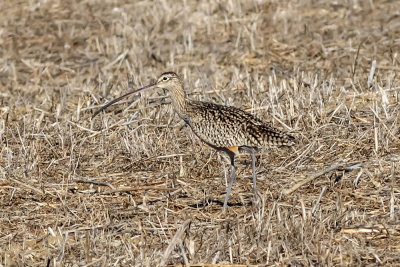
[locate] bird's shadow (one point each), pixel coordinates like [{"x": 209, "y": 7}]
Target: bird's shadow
[{"x": 209, "y": 202}]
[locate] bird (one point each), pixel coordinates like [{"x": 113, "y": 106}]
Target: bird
[{"x": 224, "y": 128}]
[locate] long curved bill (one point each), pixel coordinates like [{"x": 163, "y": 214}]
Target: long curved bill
[{"x": 150, "y": 86}]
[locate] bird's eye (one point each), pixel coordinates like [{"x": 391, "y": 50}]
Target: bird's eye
[{"x": 165, "y": 78}]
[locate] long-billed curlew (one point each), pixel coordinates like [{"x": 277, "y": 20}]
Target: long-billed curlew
[{"x": 224, "y": 128}]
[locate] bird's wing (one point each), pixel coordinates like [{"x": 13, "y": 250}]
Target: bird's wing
[{"x": 225, "y": 126}]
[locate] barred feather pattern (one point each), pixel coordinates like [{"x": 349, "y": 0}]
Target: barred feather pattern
[{"x": 223, "y": 126}]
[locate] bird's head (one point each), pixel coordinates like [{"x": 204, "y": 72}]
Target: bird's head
[{"x": 168, "y": 80}]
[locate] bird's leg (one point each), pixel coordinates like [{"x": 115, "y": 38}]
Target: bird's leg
[
  {"x": 250, "y": 150},
  {"x": 231, "y": 179}
]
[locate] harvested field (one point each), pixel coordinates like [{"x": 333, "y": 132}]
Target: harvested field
[{"x": 135, "y": 187}]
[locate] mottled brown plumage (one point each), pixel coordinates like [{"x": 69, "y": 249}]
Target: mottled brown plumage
[{"x": 222, "y": 127}]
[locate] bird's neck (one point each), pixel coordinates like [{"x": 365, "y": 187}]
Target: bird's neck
[{"x": 179, "y": 101}]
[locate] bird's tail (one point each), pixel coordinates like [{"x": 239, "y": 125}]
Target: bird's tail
[{"x": 277, "y": 137}]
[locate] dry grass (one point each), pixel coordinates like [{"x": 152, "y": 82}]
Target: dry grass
[{"x": 302, "y": 65}]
